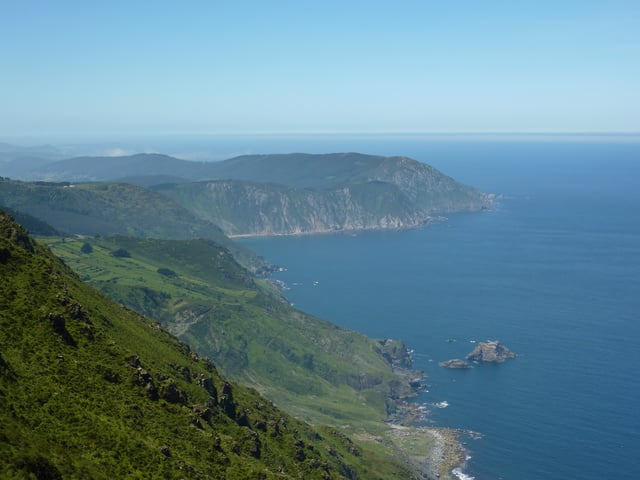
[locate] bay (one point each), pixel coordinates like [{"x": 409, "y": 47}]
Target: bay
[{"x": 553, "y": 272}]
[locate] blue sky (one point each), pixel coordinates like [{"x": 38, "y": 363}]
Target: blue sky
[{"x": 142, "y": 67}]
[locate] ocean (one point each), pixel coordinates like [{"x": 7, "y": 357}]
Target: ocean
[{"x": 553, "y": 272}]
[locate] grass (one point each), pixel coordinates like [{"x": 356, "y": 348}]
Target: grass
[
  {"x": 90, "y": 389},
  {"x": 310, "y": 368},
  {"x": 303, "y": 363}
]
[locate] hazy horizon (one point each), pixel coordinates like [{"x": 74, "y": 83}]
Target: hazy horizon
[{"x": 123, "y": 68}]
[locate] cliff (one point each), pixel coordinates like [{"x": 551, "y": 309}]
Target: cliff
[
  {"x": 300, "y": 193},
  {"x": 248, "y": 208},
  {"x": 284, "y": 194}
]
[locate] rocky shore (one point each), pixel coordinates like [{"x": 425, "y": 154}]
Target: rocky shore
[{"x": 435, "y": 451}]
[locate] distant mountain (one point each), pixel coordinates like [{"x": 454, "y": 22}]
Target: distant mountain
[
  {"x": 422, "y": 184},
  {"x": 17, "y": 161},
  {"x": 89, "y": 389},
  {"x": 300, "y": 193},
  {"x": 291, "y": 193},
  {"x": 105, "y": 169},
  {"x": 111, "y": 208}
]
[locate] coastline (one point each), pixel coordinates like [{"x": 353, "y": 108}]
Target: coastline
[
  {"x": 426, "y": 222},
  {"x": 435, "y": 452}
]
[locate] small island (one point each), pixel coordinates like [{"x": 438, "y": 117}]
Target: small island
[
  {"x": 491, "y": 351},
  {"x": 456, "y": 363}
]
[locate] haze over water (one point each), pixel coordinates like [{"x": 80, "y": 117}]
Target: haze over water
[{"x": 553, "y": 272}]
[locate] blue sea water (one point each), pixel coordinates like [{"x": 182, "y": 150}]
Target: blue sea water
[{"x": 553, "y": 273}]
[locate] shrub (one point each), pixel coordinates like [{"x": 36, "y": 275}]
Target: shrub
[
  {"x": 166, "y": 272},
  {"x": 120, "y": 253}
]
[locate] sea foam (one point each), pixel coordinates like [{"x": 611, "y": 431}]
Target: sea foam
[{"x": 461, "y": 475}]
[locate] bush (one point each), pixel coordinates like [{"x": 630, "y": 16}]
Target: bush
[
  {"x": 120, "y": 253},
  {"x": 86, "y": 248},
  {"x": 166, "y": 272}
]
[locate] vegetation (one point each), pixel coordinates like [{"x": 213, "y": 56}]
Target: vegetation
[
  {"x": 107, "y": 209},
  {"x": 34, "y": 225},
  {"x": 284, "y": 194},
  {"x": 89, "y": 389},
  {"x": 195, "y": 288},
  {"x": 300, "y": 193}
]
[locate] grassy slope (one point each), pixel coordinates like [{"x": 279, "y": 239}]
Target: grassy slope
[
  {"x": 309, "y": 366},
  {"x": 112, "y": 208},
  {"x": 75, "y": 401}
]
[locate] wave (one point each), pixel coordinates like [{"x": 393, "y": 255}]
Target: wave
[{"x": 461, "y": 475}]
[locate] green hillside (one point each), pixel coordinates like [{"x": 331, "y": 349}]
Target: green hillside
[
  {"x": 195, "y": 288},
  {"x": 113, "y": 208},
  {"x": 428, "y": 188},
  {"x": 89, "y": 389}
]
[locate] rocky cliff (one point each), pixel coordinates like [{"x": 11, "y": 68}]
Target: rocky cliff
[
  {"x": 324, "y": 193},
  {"x": 248, "y": 208}
]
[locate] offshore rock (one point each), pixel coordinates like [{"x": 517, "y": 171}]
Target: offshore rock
[
  {"x": 491, "y": 351},
  {"x": 455, "y": 363}
]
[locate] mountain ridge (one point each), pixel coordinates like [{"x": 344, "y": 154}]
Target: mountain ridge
[{"x": 285, "y": 194}]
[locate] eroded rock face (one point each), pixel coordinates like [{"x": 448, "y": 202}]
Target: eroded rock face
[{"x": 491, "y": 351}]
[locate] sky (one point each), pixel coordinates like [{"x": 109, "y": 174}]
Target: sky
[{"x": 197, "y": 67}]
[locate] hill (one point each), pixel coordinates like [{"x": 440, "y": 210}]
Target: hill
[
  {"x": 310, "y": 367},
  {"x": 101, "y": 169},
  {"x": 425, "y": 186},
  {"x": 113, "y": 208},
  {"x": 300, "y": 193},
  {"x": 89, "y": 389},
  {"x": 289, "y": 193}
]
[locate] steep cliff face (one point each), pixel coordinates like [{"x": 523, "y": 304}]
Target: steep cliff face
[
  {"x": 395, "y": 193},
  {"x": 242, "y": 208},
  {"x": 300, "y": 193}
]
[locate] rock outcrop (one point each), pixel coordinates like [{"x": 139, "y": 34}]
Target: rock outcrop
[
  {"x": 455, "y": 363},
  {"x": 491, "y": 351}
]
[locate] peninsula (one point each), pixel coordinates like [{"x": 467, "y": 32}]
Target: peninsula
[{"x": 276, "y": 194}]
